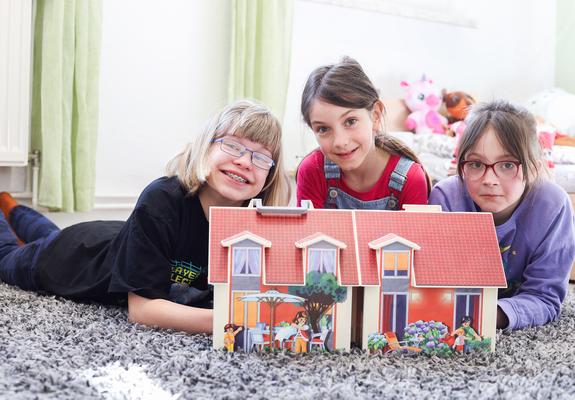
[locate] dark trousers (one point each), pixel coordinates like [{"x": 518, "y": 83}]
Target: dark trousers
[{"x": 18, "y": 263}]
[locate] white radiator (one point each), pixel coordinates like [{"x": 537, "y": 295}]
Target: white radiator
[{"x": 15, "y": 80}]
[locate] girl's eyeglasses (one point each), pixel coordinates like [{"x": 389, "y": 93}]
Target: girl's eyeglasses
[
  {"x": 475, "y": 170},
  {"x": 236, "y": 149}
]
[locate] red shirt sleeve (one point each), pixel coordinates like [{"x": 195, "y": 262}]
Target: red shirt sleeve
[
  {"x": 415, "y": 189},
  {"x": 311, "y": 182}
]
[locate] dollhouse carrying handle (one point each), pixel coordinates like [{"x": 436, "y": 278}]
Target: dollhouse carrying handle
[{"x": 285, "y": 211}]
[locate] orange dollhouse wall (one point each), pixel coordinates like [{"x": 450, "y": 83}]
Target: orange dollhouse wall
[
  {"x": 283, "y": 312},
  {"x": 442, "y": 300}
]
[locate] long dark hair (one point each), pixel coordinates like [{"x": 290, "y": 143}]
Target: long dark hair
[{"x": 345, "y": 84}]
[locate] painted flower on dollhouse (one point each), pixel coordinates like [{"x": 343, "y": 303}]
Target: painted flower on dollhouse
[
  {"x": 376, "y": 342},
  {"x": 427, "y": 335}
]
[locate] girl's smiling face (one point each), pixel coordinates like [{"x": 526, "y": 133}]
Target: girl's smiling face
[
  {"x": 233, "y": 180},
  {"x": 491, "y": 193},
  {"x": 345, "y": 135}
]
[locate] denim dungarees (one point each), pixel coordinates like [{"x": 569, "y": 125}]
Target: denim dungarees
[{"x": 337, "y": 198}]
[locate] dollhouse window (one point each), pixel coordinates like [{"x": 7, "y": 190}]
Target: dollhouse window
[
  {"x": 395, "y": 263},
  {"x": 467, "y": 304},
  {"x": 394, "y": 313},
  {"x": 247, "y": 261},
  {"x": 322, "y": 260}
]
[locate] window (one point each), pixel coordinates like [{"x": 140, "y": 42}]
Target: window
[
  {"x": 395, "y": 263},
  {"x": 322, "y": 260},
  {"x": 393, "y": 313},
  {"x": 467, "y": 304},
  {"x": 247, "y": 261}
]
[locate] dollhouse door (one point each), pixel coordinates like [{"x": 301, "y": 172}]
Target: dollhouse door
[
  {"x": 394, "y": 313},
  {"x": 467, "y": 304}
]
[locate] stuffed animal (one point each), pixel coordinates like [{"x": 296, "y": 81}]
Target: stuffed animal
[
  {"x": 423, "y": 100},
  {"x": 457, "y": 105},
  {"x": 547, "y": 134}
]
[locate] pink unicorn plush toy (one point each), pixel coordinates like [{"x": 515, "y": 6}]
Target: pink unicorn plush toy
[{"x": 423, "y": 100}]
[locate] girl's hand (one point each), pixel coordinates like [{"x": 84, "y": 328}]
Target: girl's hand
[{"x": 502, "y": 320}]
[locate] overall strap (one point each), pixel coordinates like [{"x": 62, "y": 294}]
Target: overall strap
[
  {"x": 331, "y": 171},
  {"x": 399, "y": 175}
]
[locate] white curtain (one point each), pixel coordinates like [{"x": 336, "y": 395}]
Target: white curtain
[
  {"x": 246, "y": 261},
  {"x": 322, "y": 260},
  {"x": 329, "y": 261},
  {"x": 240, "y": 261},
  {"x": 253, "y": 261}
]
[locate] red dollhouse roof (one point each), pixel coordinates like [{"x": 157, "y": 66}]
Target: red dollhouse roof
[
  {"x": 455, "y": 249},
  {"x": 283, "y": 261}
]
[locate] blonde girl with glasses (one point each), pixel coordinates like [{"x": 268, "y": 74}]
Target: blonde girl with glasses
[
  {"x": 155, "y": 262},
  {"x": 501, "y": 170}
]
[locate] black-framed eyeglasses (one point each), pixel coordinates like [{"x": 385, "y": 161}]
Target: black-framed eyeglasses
[
  {"x": 236, "y": 149},
  {"x": 474, "y": 169}
]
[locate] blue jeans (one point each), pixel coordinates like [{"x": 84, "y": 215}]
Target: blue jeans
[{"x": 18, "y": 263}]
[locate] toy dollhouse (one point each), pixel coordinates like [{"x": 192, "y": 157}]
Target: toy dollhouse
[{"x": 285, "y": 276}]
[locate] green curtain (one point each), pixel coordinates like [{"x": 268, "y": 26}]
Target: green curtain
[
  {"x": 260, "y": 51},
  {"x": 67, "y": 41}
]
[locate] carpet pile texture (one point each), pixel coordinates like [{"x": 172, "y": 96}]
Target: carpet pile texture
[{"x": 51, "y": 348}]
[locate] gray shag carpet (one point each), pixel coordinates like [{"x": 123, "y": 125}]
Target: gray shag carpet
[{"x": 58, "y": 349}]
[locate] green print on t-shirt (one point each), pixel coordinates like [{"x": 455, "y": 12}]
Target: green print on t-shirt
[{"x": 184, "y": 272}]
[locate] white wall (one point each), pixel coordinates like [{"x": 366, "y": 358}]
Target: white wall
[
  {"x": 165, "y": 67},
  {"x": 565, "y": 54},
  {"x": 509, "y": 54}
]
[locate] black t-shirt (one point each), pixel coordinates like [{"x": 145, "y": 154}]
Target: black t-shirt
[{"x": 161, "y": 251}]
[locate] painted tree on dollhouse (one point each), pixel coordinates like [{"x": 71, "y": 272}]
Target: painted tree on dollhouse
[{"x": 320, "y": 292}]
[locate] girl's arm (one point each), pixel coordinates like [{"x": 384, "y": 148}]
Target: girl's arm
[
  {"x": 311, "y": 183},
  {"x": 415, "y": 189},
  {"x": 168, "y": 315},
  {"x": 546, "y": 273},
  {"x": 538, "y": 300}
]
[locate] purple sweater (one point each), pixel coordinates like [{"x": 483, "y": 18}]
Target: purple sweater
[{"x": 537, "y": 248}]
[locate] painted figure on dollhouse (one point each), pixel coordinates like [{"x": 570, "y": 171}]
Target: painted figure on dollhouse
[
  {"x": 469, "y": 333},
  {"x": 230, "y": 336},
  {"x": 459, "y": 342},
  {"x": 301, "y": 338}
]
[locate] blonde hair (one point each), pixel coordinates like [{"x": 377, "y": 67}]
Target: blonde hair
[
  {"x": 345, "y": 84},
  {"x": 245, "y": 119}
]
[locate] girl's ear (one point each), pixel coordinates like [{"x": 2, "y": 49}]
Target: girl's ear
[{"x": 377, "y": 115}]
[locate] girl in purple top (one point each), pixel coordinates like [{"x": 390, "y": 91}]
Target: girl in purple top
[{"x": 500, "y": 170}]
